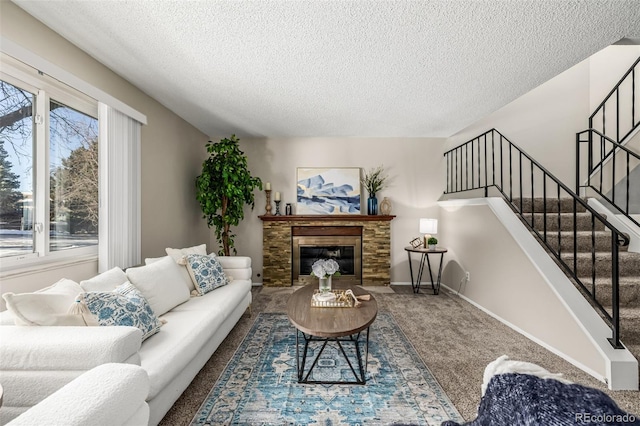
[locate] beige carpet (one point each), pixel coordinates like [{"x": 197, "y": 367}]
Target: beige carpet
[{"x": 455, "y": 340}]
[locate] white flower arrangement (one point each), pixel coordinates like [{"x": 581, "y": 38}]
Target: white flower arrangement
[{"x": 324, "y": 268}]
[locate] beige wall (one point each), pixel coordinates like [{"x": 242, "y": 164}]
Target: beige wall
[
  {"x": 172, "y": 150},
  {"x": 506, "y": 282},
  {"x": 413, "y": 165},
  {"x": 606, "y": 68},
  {"x": 543, "y": 122}
]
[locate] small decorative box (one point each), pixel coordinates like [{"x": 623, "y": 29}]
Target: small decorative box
[{"x": 341, "y": 300}]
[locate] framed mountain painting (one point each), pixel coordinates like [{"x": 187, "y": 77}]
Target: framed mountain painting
[{"x": 328, "y": 190}]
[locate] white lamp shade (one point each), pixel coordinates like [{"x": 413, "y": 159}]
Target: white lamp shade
[{"x": 429, "y": 226}]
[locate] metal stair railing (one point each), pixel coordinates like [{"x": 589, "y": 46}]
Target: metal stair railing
[
  {"x": 608, "y": 151},
  {"x": 609, "y": 139},
  {"x": 491, "y": 160},
  {"x": 623, "y": 92}
]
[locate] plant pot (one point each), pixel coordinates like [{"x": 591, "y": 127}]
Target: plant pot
[
  {"x": 372, "y": 206},
  {"x": 432, "y": 247},
  {"x": 325, "y": 285}
]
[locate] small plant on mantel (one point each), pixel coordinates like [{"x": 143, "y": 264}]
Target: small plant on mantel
[
  {"x": 374, "y": 180},
  {"x": 223, "y": 189}
]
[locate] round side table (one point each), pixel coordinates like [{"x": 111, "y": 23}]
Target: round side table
[{"x": 424, "y": 254}]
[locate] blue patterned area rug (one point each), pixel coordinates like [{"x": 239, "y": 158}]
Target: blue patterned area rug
[{"x": 259, "y": 385}]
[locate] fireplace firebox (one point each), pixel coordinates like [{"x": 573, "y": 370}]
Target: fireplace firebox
[{"x": 341, "y": 243}]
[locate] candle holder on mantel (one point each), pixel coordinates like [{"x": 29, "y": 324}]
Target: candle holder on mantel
[
  {"x": 268, "y": 207},
  {"x": 277, "y": 207}
]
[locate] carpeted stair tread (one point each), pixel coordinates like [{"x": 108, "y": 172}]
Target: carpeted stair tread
[
  {"x": 629, "y": 263},
  {"x": 564, "y": 221},
  {"x": 584, "y": 241},
  {"x": 628, "y": 292},
  {"x": 552, "y": 205},
  {"x": 630, "y": 326}
]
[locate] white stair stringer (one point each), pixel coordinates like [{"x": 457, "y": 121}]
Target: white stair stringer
[{"x": 512, "y": 300}]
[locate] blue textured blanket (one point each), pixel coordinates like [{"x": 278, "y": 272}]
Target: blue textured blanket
[{"x": 522, "y": 399}]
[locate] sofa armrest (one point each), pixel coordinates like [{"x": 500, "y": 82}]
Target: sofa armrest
[
  {"x": 110, "y": 394},
  {"x": 66, "y": 348},
  {"x": 237, "y": 267},
  {"x": 234, "y": 262}
]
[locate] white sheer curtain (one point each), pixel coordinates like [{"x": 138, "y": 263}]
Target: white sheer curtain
[{"x": 119, "y": 164}]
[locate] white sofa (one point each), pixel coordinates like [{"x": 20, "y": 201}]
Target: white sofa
[
  {"x": 36, "y": 361},
  {"x": 118, "y": 400}
]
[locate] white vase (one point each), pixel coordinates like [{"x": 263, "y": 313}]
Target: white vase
[{"x": 325, "y": 284}]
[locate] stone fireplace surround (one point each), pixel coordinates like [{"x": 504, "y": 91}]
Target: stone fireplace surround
[{"x": 277, "y": 245}]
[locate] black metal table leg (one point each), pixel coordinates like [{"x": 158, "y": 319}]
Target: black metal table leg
[
  {"x": 416, "y": 284},
  {"x": 437, "y": 288},
  {"x": 413, "y": 287},
  {"x": 360, "y": 379}
]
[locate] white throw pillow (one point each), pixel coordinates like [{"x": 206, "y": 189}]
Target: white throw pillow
[
  {"x": 106, "y": 281},
  {"x": 161, "y": 284},
  {"x": 206, "y": 272},
  {"x": 48, "y": 306},
  {"x": 125, "y": 306},
  {"x": 178, "y": 254}
]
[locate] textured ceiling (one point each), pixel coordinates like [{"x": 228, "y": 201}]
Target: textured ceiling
[{"x": 338, "y": 68}]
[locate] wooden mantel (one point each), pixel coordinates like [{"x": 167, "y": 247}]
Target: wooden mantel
[
  {"x": 276, "y": 243},
  {"x": 329, "y": 217}
]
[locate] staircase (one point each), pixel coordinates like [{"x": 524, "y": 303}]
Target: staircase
[
  {"x": 593, "y": 242},
  {"x": 591, "y": 251}
]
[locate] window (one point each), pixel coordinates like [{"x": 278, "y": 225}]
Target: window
[{"x": 48, "y": 168}]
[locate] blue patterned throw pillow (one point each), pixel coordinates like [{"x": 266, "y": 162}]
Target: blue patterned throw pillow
[
  {"x": 123, "y": 306},
  {"x": 206, "y": 273}
]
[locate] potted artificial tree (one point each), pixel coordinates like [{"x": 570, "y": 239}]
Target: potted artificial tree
[{"x": 223, "y": 189}]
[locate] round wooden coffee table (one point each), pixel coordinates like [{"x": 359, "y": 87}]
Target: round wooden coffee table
[{"x": 339, "y": 326}]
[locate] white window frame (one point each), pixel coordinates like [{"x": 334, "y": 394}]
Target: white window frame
[
  {"x": 44, "y": 90},
  {"x": 60, "y": 79}
]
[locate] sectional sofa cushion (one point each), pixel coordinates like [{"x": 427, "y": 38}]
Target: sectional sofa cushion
[
  {"x": 178, "y": 254},
  {"x": 49, "y": 306},
  {"x": 106, "y": 281},
  {"x": 125, "y": 306},
  {"x": 206, "y": 272},
  {"x": 161, "y": 284}
]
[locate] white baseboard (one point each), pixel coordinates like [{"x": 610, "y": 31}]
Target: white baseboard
[{"x": 530, "y": 337}]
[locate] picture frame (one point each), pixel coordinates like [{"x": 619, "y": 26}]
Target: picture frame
[
  {"x": 328, "y": 190},
  {"x": 416, "y": 242}
]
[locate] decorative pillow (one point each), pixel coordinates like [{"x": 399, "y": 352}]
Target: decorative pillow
[
  {"x": 161, "y": 284},
  {"x": 206, "y": 272},
  {"x": 48, "y": 306},
  {"x": 178, "y": 254},
  {"x": 125, "y": 306},
  {"x": 106, "y": 281}
]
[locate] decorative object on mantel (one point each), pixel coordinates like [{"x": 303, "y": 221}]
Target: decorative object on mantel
[
  {"x": 277, "y": 200},
  {"x": 288, "y": 210},
  {"x": 223, "y": 189},
  {"x": 324, "y": 269},
  {"x": 268, "y": 206},
  {"x": 428, "y": 227},
  {"x": 374, "y": 181},
  {"x": 385, "y": 206},
  {"x": 327, "y": 191}
]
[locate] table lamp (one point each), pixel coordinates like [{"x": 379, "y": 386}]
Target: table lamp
[{"x": 428, "y": 227}]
